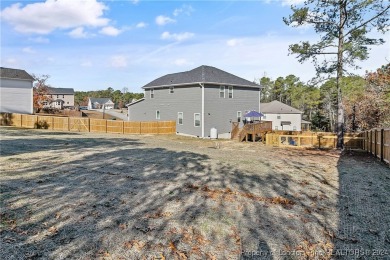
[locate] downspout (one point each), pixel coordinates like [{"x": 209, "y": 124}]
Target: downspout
[
  {"x": 260, "y": 101},
  {"x": 202, "y": 86}
]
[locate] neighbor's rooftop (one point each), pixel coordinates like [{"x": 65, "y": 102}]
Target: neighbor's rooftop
[{"x": 15, "y": 74}]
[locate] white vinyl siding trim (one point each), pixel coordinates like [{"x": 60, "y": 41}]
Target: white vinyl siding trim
[
  {"x": 157, "y": 114},
  {"x": 152, "y": 93},
  {"x": 196, "y": 119},
  {"x": 230, "y": 92},
  {"x": 180, "y": 117},
  {"x": 222, "y": 92}
]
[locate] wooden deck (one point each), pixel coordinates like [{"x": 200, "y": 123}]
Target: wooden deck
[{"x": 251, "y": 131}]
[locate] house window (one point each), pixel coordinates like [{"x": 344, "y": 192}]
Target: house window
[
  {"x": 63, "y": 96},
  {"x": 276, "y": 127},
  {"x": 278, "y": 116},
  {"x": 180, "y": 118},
  {"x": 239, "y": 114},
  {"x": 197, "y": 119},
  {"x": 294, "y": 128},
  {"x": 152, "y": 93},
  {"x": 51, "y": 96},
  {"x": 57, "y": 96},
  {"x": 222, "y": 91},
  {"x": 67, "y": 102},
  {"x": 157, "y": 114},
  {"x": 230, "y": 92},
  {"x": 171, "y": 90}
]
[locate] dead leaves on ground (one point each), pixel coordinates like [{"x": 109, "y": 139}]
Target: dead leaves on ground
[{"x": 230, "y": 195}]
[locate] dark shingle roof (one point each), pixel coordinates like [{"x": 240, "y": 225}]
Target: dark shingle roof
[
  {"x": 276, "y": 107},
  {"x": 100, "y": 100},
  {"x": 60, "y": 91},
  {"x": 15, "y": 74},
  {"x": 202, "y": 74}
]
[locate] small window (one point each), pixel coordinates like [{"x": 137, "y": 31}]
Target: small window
[
  {"x": 63, "y": 96},
  {"x": 230, "y": 92},
  {"x": 278, "y": 116},
  {"x": 276, "y": 127},
  {"x": 196, "y": 119},
  {"x": 239, "y": 115},
  {"x": 152, "y": 93},
  {"x": 180, "y": 118},
  {"x": 171, "y": 90},
  {"x": 222, "y": 91},
  {"x": 67, "y": 102},
  {"x": 157, "y": 114},
  {"x": 294, "y": 128},
  {"x": 57, "y": 96}
]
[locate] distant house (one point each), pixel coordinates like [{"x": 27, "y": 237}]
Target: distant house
[
  {"x": 198, "y": 100},
  {"x": 98, "y": 103},
  {"x": 16, "y": 91},
  {"x": 60, "y": 98},
  {"x": 283, "y": 117}
]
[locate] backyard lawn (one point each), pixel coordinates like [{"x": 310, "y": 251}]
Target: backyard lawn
[{"x": 84, "y": 195}]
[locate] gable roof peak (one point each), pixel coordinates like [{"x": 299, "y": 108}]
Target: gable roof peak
[{"x": 201, "y": 74}]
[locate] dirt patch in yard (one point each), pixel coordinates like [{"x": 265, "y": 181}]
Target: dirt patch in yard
[{"x": 83, "y": 195}]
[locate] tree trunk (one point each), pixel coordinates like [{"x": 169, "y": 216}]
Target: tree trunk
[{"x": 340, "y": 108}]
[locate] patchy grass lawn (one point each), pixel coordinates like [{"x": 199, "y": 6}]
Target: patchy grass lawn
[{"x": 74, "y": 195}]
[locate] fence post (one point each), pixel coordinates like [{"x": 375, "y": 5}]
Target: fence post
[
  {"x": 52, "y": 122},
  {"x": 375, "y": 143},
  {"x": 89, "y": 125},
  {"x": 123, "y": 127},
  {"x": 68, "y": 124},
  {"x": 382, "y": 144},
  {"x": 140, "y": 127},
  {"x": 106, "y": 126}
]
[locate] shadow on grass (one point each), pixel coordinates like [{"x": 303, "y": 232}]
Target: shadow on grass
[
  {"x": 123, "y": 198},
  {"x": 364, "y": 208}
]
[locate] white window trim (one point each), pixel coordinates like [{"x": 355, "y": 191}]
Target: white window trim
[
  {"x": 178, "y": 118},
  {"x": 195, "y": 120},
  {"x": 224, "y": 90},
  {"x": 239, "y": 115},
  {"x": 230, "y": 88},
  {"x": 152, "y": 93},
  {"x": 171, "y": 90},
  {"x": 158, "y": 114}
]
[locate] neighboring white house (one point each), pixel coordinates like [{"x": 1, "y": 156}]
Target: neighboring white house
[
  {"x": 16, "y": 91},
  {"x": 97, "y": 103},
  {"x": 283, "y": 117},
  {"x": 60, "y": 98}
]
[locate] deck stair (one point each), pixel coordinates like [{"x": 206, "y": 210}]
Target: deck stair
[{"x": 251, "y": 131}]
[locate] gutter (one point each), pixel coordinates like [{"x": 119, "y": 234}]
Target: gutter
[{"x": 202, "y": 86}]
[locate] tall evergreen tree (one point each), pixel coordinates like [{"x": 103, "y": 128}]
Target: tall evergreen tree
[{"x": 343, "y": 26}]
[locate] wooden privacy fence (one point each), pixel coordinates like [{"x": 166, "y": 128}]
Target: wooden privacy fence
[
  {"x": 377, "y": 143},
  {"x": 78, "y": 124},
  {"x": 312, "y": 139}
]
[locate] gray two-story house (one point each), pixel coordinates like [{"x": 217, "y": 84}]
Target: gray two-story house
[
  {"x": 60, "y": 98},
  {"x": 198, "y": 100}
]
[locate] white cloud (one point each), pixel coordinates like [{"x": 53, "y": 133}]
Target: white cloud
[
  {"x": 86, "y": 63},
  {"x": 292, "y": 2},
  {"x": 185, "y": 9},
  {"x": 233, "y": 42},
  {"x": 45, "y": 17},
  {"x": 163, "y": 20},
  {"x": 176, "y": 36},
  {"x": 39, "y": 40},
  {"x": 118, "y": 61},
  {"x": 110, "y": 31},
  {"x": 141, "y": 25},
  {"x": 135, "y": 1},
  {"x": 182, "y": 62},
  {"x": 78, "y": 33},
  {"x": 28, "y": 50}
]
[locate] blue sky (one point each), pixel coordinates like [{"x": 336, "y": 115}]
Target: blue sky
[{"x": 92, "y": 44}]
